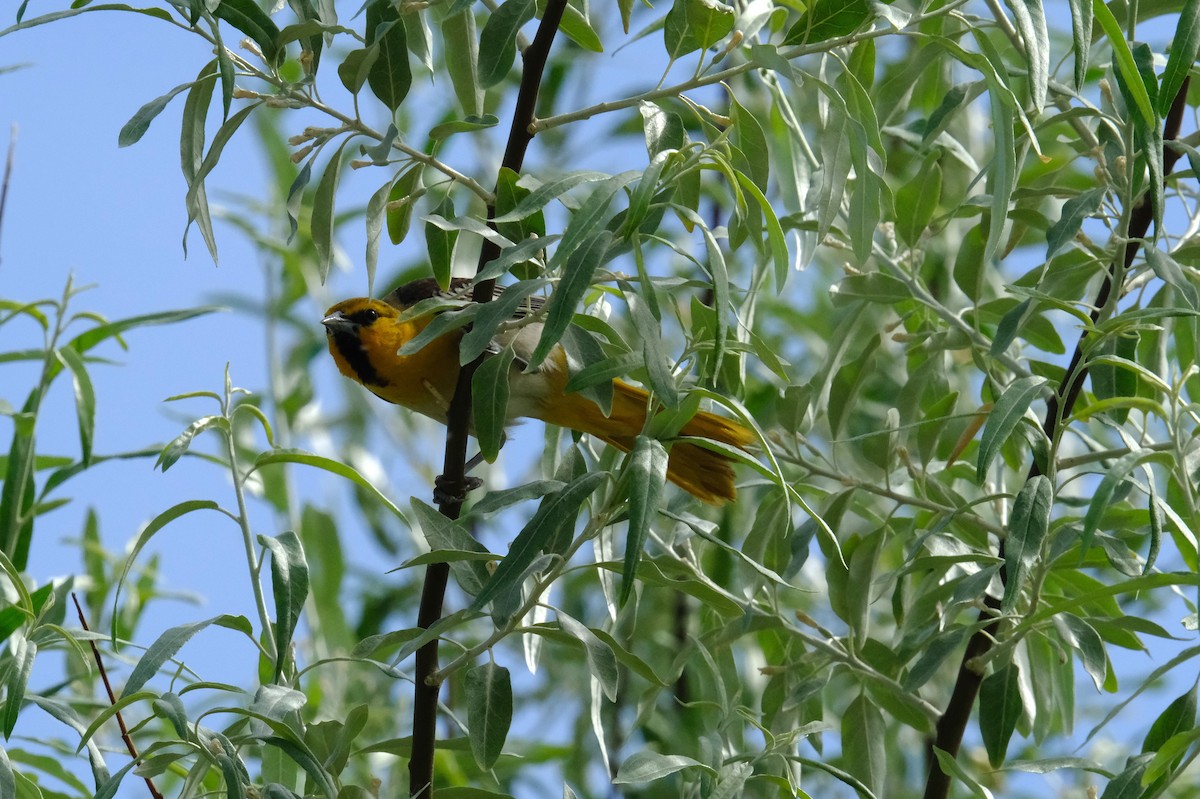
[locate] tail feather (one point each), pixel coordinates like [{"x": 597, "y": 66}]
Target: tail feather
[{"x": 703, "y": 473}]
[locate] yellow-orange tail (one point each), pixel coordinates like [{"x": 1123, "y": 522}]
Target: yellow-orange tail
[{"x": 704, "y": 474}]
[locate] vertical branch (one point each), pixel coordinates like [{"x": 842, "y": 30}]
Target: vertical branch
[
  {"x": 453, "y": 481},
  {"x": 954, "y": 719}
]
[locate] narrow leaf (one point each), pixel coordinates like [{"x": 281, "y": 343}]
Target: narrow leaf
[
  {"x": 1004, "y": 418},
  {"x": 289, "y": 585},
  {"x": 1000, "y": 708},
  {"x": 489, "y": 711},
  {"x": 647, "y": 479},
  {"x": 556, "y": 514},
  {"x": 489, "y": 402}
]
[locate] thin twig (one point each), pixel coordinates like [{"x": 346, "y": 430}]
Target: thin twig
[
  {"x": 954, "y": 719},
  {"x": 453, "y": 480},
  {"x": 8, "y": 168},
  {"x": 112, "y": 697}
]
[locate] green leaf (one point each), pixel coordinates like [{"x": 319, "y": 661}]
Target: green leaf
[
  {"x": 1000, "y": 709},
  {"x": 139, "y": 123},
  {"x": 663, "y": 129},
  {"x": 489, "y": 711},
  {"x": 1081, "y": 38},
  {"x": 289, "y": 585},
  {"x": 389, "y": 75},
  {"x": 576, "y": 280},
  {"x": 1179, "y": 716},
  {"x": 509, "y": 196},
  {"x": 648, "y": 766},
  {"x": 1128, "y": 784},
  {"x": 57, "y": 15},
  {"x": 85, "y": 400},
  {"x": 601, "y": 658},
  {"x": 318, "y": 776},
  {"x": 398, "y": 217},
  {"x": 1182, "y": 58},
  {"x": 356, "y": 67},
  {"x": 543, "y": 194},
  {"x": 466, "y": 125},
  {"x": 461, "y": 50},
  {"x": 1031, "y": 23},
  {"x": 157, "y": 523},
  {"x": 334, "y": 467},
  {"x": 647, "y": 479},
  {"x": 176, "y": 449},
  {"x": 498, "y": 40},
  {"x": 1004, "y": 418},
  {"x": 695, "y": 25},
  {"x": 1027, "y": 529},
  {"x": 440, "y": 244},
  {"x": 751, "y": 142},
  {"x": 917, "y": 201},
  {"x": 489, "y": 402},
  {"x": 1084, "y": 638},
  {"x": 828, "y": 19},
  {"x": 323, "y": 218},
  {"x": 247, "y": 17},
  {"x": 556, "y": 515},
  {"x": 489, "y": 316},
  {"x": 375, "y": 213},
  {"x": 93, "y": 336},
  {"x": 1125, "y": 66},
  {"x": 170, "y": 642},
  {"x": 22, "y": 653},
  {"x": 450, "y": 535},
  {"x": 863, "y": 742},
  {"x": 1075, "y": 212},
  {"x": 649, "y": 330},
  {"x": 590, "y": 218},
  {"x": 196, "y": 199}
]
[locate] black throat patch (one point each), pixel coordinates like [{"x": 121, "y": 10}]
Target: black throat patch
[{"x": 352, "y": 349}]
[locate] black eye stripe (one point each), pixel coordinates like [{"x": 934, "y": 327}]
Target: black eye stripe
[{"x": 365, "y": 317}]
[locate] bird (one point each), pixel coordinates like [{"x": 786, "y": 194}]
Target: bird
[{"x": 364, "y": 335}]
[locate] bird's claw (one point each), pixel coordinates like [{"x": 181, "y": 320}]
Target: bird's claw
[{"x": 447, "y": 491}]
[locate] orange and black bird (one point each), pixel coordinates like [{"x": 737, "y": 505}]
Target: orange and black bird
[{"x": 365, "y": 334}]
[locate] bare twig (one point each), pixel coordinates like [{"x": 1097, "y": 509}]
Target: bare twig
[
  {"x": 453, "y": 480},
  {"x": 112, "y": 697},
  {"x": 8, "y": 168},
  {"x": 954, "y": 719}
]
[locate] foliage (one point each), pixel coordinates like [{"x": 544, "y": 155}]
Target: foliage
[{"x": 936, "y": 255}]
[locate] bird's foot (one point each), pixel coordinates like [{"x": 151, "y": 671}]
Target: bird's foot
[{"x": 447, "y": 491}]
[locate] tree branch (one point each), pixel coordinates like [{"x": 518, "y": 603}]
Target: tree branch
[
  {"x": 954, "y": 719},
  {"x": 453, "y": 481},
  {"x": 112, "y": 699}
]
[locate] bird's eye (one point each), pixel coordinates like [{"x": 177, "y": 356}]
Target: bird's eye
[
  {"x": 371, "y": 315},
  {"x": 366, "y": 317}
]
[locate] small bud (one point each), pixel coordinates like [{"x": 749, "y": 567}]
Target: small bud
[
  {"x": 1106, "y": 91},
  {"x": 356, "y": 164},
  {"x": 301, "y": 154},
  {"x": 306, "y": 61},
  {"x": 734, "y": 40},
  {"x": 301, "y": 138},
  {"x": 1120, "y": 166},
  {"x": 396, "y": 205},
  {"x": 249, "y": 46},
  {"x": 244, "y": 94}
]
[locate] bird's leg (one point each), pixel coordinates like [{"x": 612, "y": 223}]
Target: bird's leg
[{"x": 443, "y": 492}]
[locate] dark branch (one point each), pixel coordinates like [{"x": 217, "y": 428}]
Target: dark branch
[
  {"x": 954, "y": 719},
  {"x": 453, "y": 481},
  {"x": 112, "y": 698}
]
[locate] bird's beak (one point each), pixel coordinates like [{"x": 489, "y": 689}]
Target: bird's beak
[{"x": 338, "y": 322}]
